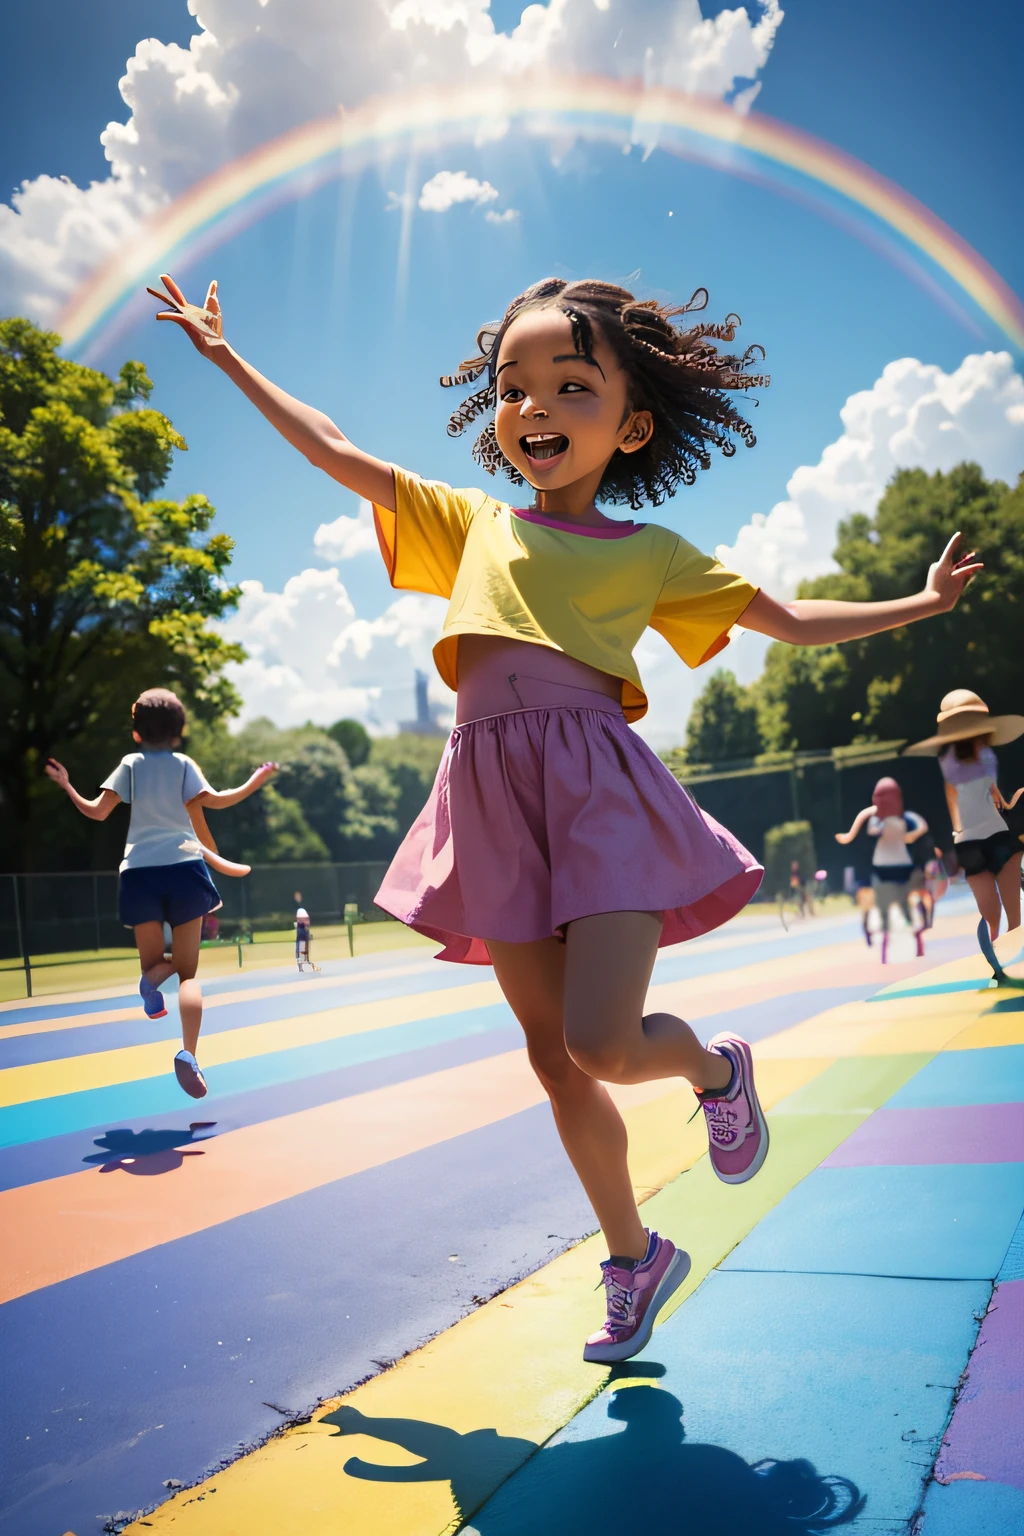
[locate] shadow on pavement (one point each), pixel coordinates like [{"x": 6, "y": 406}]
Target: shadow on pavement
[
  {"x": 147, "y": 1152},
  {"x": 619, "y": 1480}
]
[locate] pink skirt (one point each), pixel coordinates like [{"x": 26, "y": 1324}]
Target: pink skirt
[{"x": 541, "y": 816}]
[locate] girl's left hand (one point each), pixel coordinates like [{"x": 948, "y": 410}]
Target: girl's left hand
[
  {"x": 57, "y": 772},
  {"x": 950, "y": 574},
  {"x": 264, "y": 772}
]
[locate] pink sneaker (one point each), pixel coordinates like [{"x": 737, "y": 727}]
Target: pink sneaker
[
  {"x": 635, "y": 1297},
  {"x": 737, "y": 1132}
]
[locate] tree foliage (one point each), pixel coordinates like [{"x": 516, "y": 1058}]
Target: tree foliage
[
  {"x": 105, "y": 587},
  {"x": 723, "y": 722},
  {"x": 888, "y": 686}
]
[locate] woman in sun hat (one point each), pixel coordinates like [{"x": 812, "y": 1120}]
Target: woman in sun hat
[{"x": 988, "y": 851}]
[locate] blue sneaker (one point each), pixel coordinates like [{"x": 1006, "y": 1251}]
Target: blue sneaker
[
  {"x": 152, "y": 1000},
  {"x": 186, "y": 1070}
]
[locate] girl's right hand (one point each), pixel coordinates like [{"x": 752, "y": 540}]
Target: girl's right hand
[{"x": 197, "y": 324}]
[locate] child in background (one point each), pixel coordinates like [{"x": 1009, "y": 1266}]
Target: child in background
[
  {"x": 988, "y": 851},
  {"x": 164, "y": 874},
  {"x": 891, "y": 864},
  {"x": 301, "y": 935}
]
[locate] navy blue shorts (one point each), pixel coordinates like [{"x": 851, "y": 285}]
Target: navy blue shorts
[{"x": 166, "y": 893}]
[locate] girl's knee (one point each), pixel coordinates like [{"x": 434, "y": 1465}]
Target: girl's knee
[{"x": 599, "y": 1055}]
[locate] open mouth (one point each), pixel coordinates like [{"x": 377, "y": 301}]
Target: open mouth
[{"x": 544, "y": 445}]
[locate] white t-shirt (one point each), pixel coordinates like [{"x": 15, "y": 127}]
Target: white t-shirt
[
  {"x": 301, "y": 917},
  {"x": 891, "y": 847},
  {"x": 973, "y": 781},
  {"x": 156, "y": 785}
]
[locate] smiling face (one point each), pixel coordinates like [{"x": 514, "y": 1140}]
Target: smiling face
[{"x": 559, "y": 418}]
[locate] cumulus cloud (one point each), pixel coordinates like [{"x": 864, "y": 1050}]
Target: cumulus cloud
[
  {"x": 507, "y": 216},
  {"x": 311, "y": 657},
  {"x": 347, "y": 537},
  {"x": 256, "y": 70},
  {"x": 914, "y": 416},
  {"x": 445, "y": 189}
]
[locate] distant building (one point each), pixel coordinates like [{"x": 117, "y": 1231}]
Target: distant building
[{"x": 424, "y": 724}]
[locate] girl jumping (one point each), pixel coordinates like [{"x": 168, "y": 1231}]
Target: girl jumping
[
  {"x": 555, "y": 845},
  {"x": 891, "y": 864}
]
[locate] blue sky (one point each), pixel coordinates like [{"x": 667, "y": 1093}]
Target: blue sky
[{"x": 311, "y": 294}]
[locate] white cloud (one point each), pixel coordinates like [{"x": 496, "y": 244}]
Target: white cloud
[
  {"x": 347, "y": 537},
  {"x": 256, "y": 70},
  {"x": 507, "y": 216},
  {"x": 914, "y": 417},
  {"x": 445, "y": 189},
  {"x": 312, "y": 658}
]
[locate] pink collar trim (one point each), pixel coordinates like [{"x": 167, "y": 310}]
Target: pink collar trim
[{"x": 619, "y": 531}]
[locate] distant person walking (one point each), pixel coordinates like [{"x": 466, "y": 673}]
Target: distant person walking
[
  {"x": 164, "y": 874},
  {"x": 988, "y": 850},
  {"x": 891, "y": 863},
  {"x": 302, "y": 936}
]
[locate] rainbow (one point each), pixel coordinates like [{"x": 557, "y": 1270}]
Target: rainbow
[{"x": 596, "y": 109}]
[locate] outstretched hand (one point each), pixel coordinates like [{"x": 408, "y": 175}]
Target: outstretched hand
[
  {"x": 57, "y": 772},
  {"x": 264, "y": 772},
  {"x": 950, "y": 574},
  {"x": 204, "y": 326}
]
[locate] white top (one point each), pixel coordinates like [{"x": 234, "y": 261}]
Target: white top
[
  {"x": 157, "y": 785},
  {"x": 973, "y": 782},
  {"x": 891, "y": 847},
  {"x": 302, "y": 916}
]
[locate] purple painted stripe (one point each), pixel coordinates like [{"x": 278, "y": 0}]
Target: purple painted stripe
[
  {"x": 957, "y": 1133},
  {"x": 984, "y": 1436}
]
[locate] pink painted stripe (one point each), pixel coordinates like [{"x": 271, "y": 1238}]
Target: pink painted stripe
[
  {"x": 984, "y": 1439},
  {"x": 962, "y": 1133}
]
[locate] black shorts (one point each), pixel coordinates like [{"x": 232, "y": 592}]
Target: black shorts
[
  {"x": 986, "y": 855},
  {"x": 166, "y": 893}
]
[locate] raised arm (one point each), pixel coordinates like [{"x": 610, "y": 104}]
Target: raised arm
[
  {"x": 221, "y": 799},
  {"x": 315, "y": 435},
  {"x": 96, "y": 810},
  {"x": 858, "y": 821},
  {"x": 820, "y": 621}
]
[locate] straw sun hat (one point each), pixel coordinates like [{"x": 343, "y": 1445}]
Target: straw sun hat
[{"x": 963, "y": 714}]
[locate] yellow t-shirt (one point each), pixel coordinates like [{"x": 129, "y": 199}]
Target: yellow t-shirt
[{"x": 591, "y": 597}]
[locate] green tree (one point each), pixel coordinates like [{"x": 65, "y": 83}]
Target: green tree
[
  {"x": 888, "y": 687},
  {"x": 105, "y": 588},
  {"x": 723, "y": 722},
  {"x": 411, "y": 763},
  {"x": 353, "y": 739}
]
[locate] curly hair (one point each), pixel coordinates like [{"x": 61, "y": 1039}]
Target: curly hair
[{"x": 677, "y": 375}]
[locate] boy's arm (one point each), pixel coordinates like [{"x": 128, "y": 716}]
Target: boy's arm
[
  {"x": 199, "y": 827},
  {"x": 918, "y": 831},
  {"x": 96, "y": 810},
  {"x": 221, "y": 799},
  {"x": 820, "y": 621},
  {"x": 307, "y": 429}
]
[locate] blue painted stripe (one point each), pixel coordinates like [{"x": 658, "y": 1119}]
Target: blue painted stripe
[
  {"x": 156, "y": 1095},
  {"x": 991, "y": 1076},
  {"x": 26, "y": 1050}
]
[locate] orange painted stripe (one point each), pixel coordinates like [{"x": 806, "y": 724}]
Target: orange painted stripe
[{"x": 76, "y": 1223}]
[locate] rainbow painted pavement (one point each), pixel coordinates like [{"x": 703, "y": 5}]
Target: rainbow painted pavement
[{"x": 375, "y": 1167}]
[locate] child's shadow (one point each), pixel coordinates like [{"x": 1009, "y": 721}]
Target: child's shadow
[
  {"x": 608, "y": 1482},
  {"x": 147, "y": 1152}
]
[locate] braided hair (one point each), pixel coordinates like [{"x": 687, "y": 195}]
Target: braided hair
[{"x": 679, "y": 376}]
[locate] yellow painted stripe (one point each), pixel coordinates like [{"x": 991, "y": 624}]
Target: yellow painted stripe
[{"x": 100, "y": 1069}]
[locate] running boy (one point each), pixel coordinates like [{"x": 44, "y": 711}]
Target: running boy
[{"x": 164, "y": 874}]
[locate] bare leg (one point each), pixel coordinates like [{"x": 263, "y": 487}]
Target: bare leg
[
  {"x": 608, "y": 963},
  {"x": 986, "y": 894},
  {"x": 1008, "y": 881},
  {"x": 532, "y": 977},
  {"x": 185, "y": 960},
  {"x": 149, "y": 941}
]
